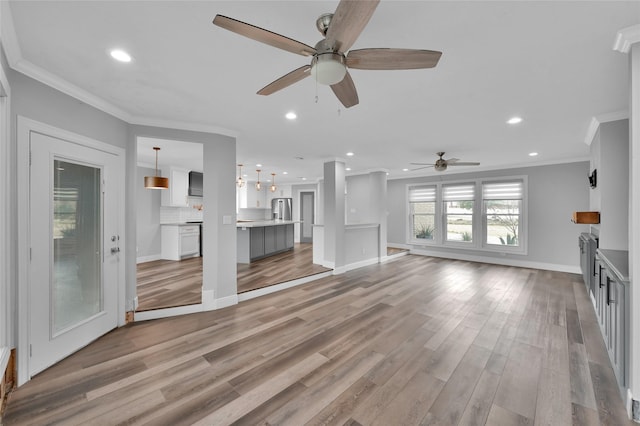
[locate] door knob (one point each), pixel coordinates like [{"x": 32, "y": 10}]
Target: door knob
[{"x": 115, "y": 250}]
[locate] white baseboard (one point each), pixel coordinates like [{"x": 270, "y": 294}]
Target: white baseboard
[
  {"x": 223, "y": 302},
  {"x": 282, "y": 286},
  {"x": 496, "y": 261},
  {"x": 135, "y": 303},
  {"x": 399, "y": 246},
  {"x": 356, "y": 265},
  {"x": 208, "y": 300},
  {"x": 167, "y": 312},
  {"x": 150, "y": 258}
]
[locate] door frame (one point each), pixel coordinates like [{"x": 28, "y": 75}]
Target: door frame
[
  {"x": 297, "y": 228},
  {"x": 313, "y": 211},
  {"x": 25, "y": 126}
]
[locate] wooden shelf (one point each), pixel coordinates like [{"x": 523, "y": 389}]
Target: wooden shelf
[{"x": 586, "y": 217}]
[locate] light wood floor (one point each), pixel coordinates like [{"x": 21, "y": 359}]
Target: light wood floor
[
  {"x": 283, "y": 267},
  {"x": 414, "y": 341},
  {"x": 168, "y": 283}
]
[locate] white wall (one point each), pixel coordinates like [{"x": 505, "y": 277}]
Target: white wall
[
  {"x": 148, "y": 217},
  {"x": 554, "y": 192}
]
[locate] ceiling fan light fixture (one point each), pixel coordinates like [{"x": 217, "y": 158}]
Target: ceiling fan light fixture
[{"x": 328, "y": 68}]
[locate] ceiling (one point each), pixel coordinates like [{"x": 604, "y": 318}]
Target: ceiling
[{"x": 549, "y": 62}]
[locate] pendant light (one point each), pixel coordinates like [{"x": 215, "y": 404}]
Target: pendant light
[
  {"x": 258, "y": 184},
  {"x": 273, "y": 186},
  {"x": 240, "y": 181},
  {"x": 156, "y": 182}
]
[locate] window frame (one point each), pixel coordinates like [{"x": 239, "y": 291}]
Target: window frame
[
  {"x": 479, "y": 242},
  {"x": 521, "y": 248},
  {"x": 410, "y": 234},
  {"x": 474, "y": 220}
]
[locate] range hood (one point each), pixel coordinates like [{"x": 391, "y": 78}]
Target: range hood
[{"x": 195, "y": 184}]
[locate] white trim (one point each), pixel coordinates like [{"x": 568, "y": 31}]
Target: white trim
[
  {"x": 212, "y": 305},
  {"x": 625, "y": 38},
  {"x": 282, "y": 286},
  {"x": 48, "y": 78},
  {"x": 182, "y": 125},
  {"x": 150, "y": 258},
  {"x": 596, "y": 121},
  {"x": 167, "y": 312},
  {"x": 496, "y": 261},
  {"x": 227, "y": 301},
  {"x": 356, "y": 265},
  {"x": 6, "y": 291},
  {"x": 629, "y": 403},
  {"x": 23, "y": 133}
]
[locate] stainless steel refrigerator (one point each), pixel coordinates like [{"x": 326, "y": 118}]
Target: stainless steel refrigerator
[{"x": 281, "y": 208}]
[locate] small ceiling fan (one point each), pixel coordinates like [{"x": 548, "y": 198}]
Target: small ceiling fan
[
  {"x": 330, "y": 61},
  {"x": 441, "y": 164}
]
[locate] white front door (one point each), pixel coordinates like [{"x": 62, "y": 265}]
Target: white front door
[{"x": 74, "y": 241}]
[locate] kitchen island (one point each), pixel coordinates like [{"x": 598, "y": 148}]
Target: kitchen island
[{"x": 262, "y": 238}]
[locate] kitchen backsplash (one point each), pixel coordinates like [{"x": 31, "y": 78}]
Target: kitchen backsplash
[
  {"x": 254, "y": 213},
  {"x": 193, "y": 213}
]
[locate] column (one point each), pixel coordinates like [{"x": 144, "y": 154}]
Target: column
[{"x": 334, "y": 214}]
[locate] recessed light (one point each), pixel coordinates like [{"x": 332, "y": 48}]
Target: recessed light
[
  {"x": 258, "y": 165},
  {"x": 245, "y": 175},
  {"x": 405, "y": 170},
  {"x": 514, "y": 120},
  {"x": 291, "y": 115},
  {"x": 348, "y": 169},
  {"x": 304, "y": 178},
  {"x": 533, "y": 154},
  {"x": 285, "y": 173},
  {"x": 349, "y": 154},
  {"x": 120, "y": 55}
]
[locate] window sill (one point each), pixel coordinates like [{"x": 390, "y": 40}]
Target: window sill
[{"x": 520, "y": 251}]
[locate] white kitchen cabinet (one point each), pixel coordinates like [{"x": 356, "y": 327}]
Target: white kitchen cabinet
[
  {"x": 178, "y": 193},
  {"x": 180, "y": 241}
]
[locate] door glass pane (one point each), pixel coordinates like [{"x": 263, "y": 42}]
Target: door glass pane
[{"x": 76, "y": 290}]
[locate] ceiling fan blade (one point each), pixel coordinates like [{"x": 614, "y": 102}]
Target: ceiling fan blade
[
  {"x": 348, "y": 21},
  {"x": 463, "y": 163},
  {"x": 345, "y": 91},
  {"x": 452, "y": 160},
  {"x": 263, "y": 36},
  {"x": 420, "y": 168},
  {"x": 286, "y": 80},
  {"x": 392, "y": 59},
  {"x": 421, "y": 164}
]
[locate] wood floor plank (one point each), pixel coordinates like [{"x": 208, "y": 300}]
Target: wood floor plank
[
  {"x": 519, "y": 384},
  {"x": 553, "y": 403},
  {"x": 417, "y": 340},
  {"x": 477, "y": 410}
]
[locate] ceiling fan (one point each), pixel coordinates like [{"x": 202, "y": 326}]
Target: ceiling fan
[
  {"x": 441, "y": 164},
  {"x": 330, "y": 59}
]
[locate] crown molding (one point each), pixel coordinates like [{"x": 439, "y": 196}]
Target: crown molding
[
  {"x": 596, "y": 121},
  {"x": 626, "y": 37},
  {"x": 9, "y": 40},
  {"x": 182, "y": 125},
  {"x": 43, "y": 76}
]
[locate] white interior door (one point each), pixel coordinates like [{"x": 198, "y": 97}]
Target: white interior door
[
  {"x": 74, "y": 241},
  {"x": 306, "y": 216}
]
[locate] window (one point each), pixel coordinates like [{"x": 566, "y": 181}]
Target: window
[
  {"x": 458, "y": 212},
  {"x": 502, "y": 212},
  {"x": 422, "y": 207}
]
